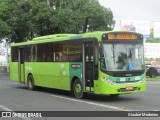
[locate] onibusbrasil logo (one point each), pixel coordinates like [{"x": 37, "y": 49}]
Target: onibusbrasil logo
[{"x": 21, "y": 114}]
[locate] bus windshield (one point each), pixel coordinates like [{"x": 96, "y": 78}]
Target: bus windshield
[{"x": 122, "y": 57}]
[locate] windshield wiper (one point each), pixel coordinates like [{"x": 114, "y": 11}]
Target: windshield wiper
[{"x": 113, "y": 55}]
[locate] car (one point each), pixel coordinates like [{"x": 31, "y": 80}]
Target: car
[
  {"x": 147, "y": 66},
  {"x": 153, "y": 71}
]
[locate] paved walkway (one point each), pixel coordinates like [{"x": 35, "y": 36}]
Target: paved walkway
[{"x": 154, "y": 82}]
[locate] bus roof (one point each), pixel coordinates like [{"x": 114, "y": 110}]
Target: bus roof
[{"x": 62, "y": 37}]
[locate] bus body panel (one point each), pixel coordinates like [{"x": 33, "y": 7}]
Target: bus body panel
[
  {"x": 102, "y": 87},
  {"x": 113, "y": 86},
  {"x": 59, "y": 75},
  {"x": 51, "y": 74},
  {"x": 75, "y": 69},
  {"x": 14, "y": 71}
]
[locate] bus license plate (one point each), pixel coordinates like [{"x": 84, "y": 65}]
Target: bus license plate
[{"x": 129, "y": 88}]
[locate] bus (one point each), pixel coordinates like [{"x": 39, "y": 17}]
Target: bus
[{"x": 101, "y": 62}]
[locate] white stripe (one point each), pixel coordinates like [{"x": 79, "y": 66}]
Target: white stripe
[
  {"x": 4, "y": 108},
  {"x": 7, "y": 109},
  {"x": 96, "y": 104}
]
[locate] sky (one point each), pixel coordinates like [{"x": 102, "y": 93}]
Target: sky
[{"x": 145, "y": 10}]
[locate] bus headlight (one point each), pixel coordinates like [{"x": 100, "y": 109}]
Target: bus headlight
[
  {"x": 142, "y": 80},
  {"x": 108, "y": 80}
]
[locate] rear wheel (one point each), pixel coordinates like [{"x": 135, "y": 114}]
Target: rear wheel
[
  {"x": 31, "y": 82},
  {"x": 77, "y": 89}
]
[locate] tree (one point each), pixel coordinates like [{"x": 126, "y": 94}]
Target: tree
[
  {"x": 24, "y": 20},
  {"x": 14, "y": 20},
  {"x": 72, "y": 14},
  {"x": 21, "y": 20}
]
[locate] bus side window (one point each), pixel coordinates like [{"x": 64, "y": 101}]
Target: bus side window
[
  {"x": 74, "y": 51},
  {"x": 34, "y": 53},
  {"x": 56, "y": 56},
  {"x": 28, "y": 53},
  {"x": 56, "y": 51},
  {"x": 14, "y": 54},
  {"x": 40, "y": 53},
  {"x": 102, "y": 59},
  {"x": 60, "y": 52},
  {"x": 48, "y": 52}
]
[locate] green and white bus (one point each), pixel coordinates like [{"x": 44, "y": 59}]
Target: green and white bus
[{"x": 108, "y": 62}]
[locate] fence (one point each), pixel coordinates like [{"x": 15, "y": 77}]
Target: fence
[{"x": 4, "y": 56}]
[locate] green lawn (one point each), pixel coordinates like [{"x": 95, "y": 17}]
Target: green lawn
[{"x": 153, "y": 79}]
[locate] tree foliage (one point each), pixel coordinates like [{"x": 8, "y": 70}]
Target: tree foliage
[{"x": 21, "y": 20}]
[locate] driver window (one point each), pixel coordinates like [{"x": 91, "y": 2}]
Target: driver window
[{"x": 102, "y": 59}]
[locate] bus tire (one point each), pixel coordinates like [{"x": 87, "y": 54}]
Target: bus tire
[
  {"x": 77, "y": 89},
  {"x": 30, "y": 82}
]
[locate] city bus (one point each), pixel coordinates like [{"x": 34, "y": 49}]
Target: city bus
[{"x": 104, "y": 63}]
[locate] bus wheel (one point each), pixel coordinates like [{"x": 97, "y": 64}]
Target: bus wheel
[
  {"x": 77, "y": 89},
  {"x": 30, "y": 82}
]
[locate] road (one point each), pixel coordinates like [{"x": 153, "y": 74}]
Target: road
[{"x": 16, "y": 97}]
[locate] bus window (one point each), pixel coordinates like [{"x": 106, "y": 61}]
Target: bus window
[
  {"x": 48, "y": 52},
  {"x": 60, "y": 52},
  {"x": 14, "y": 54},
  {"x": 40, "y": 52},
  {"x": 28, "y": 53},
  {"x": 34, "y": 53},
  {"x": 74, "y": 51}
]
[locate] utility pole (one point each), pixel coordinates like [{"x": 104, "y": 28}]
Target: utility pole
[
  {"x": 7, "y": 59},
  {"x": 85, "y": 25}
]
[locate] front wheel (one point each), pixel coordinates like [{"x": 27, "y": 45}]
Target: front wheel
[{"x": 77, "y": 89}]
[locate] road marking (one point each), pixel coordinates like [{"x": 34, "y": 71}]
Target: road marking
[
  {"x": 4, "y": 108},
  {"x": 7, "y": 109},
  {"x": 95, "y": 104}
]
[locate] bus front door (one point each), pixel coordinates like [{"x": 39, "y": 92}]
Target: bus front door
[
  {"x": 88, "y": 65},
  {"x": 21, "y": 65}
]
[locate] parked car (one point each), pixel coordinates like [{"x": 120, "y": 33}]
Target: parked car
[
  {"x": 153, "y": 71},
  {"x": 147, "y": 66}
]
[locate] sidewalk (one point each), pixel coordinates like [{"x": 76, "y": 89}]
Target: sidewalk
[
  {"x": 153, "y": 82},
  {"x": 3, "y": 69},
  {"x": 4, "y": 74}
]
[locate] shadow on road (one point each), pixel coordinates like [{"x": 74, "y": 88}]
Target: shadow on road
[{"x": 87, "y": 96}]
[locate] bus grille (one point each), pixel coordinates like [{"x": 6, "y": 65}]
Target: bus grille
[
  {"x": 119, "y": 82},
  {"x": 127, "y": 74}
]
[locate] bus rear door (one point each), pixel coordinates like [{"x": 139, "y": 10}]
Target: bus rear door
[{"x": 21, "y": 66}]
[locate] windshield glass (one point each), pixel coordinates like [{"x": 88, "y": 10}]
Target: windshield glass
[
  {"x": 122, "y": 57},
  {"x": 157, "y": 68}
]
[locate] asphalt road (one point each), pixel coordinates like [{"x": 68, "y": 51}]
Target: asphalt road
[{"x": 16, "y": 97}]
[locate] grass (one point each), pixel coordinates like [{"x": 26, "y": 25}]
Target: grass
[{"x": 152, "y": 79}]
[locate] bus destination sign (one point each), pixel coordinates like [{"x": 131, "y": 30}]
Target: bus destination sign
[{"x": 122, "y": 36}]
